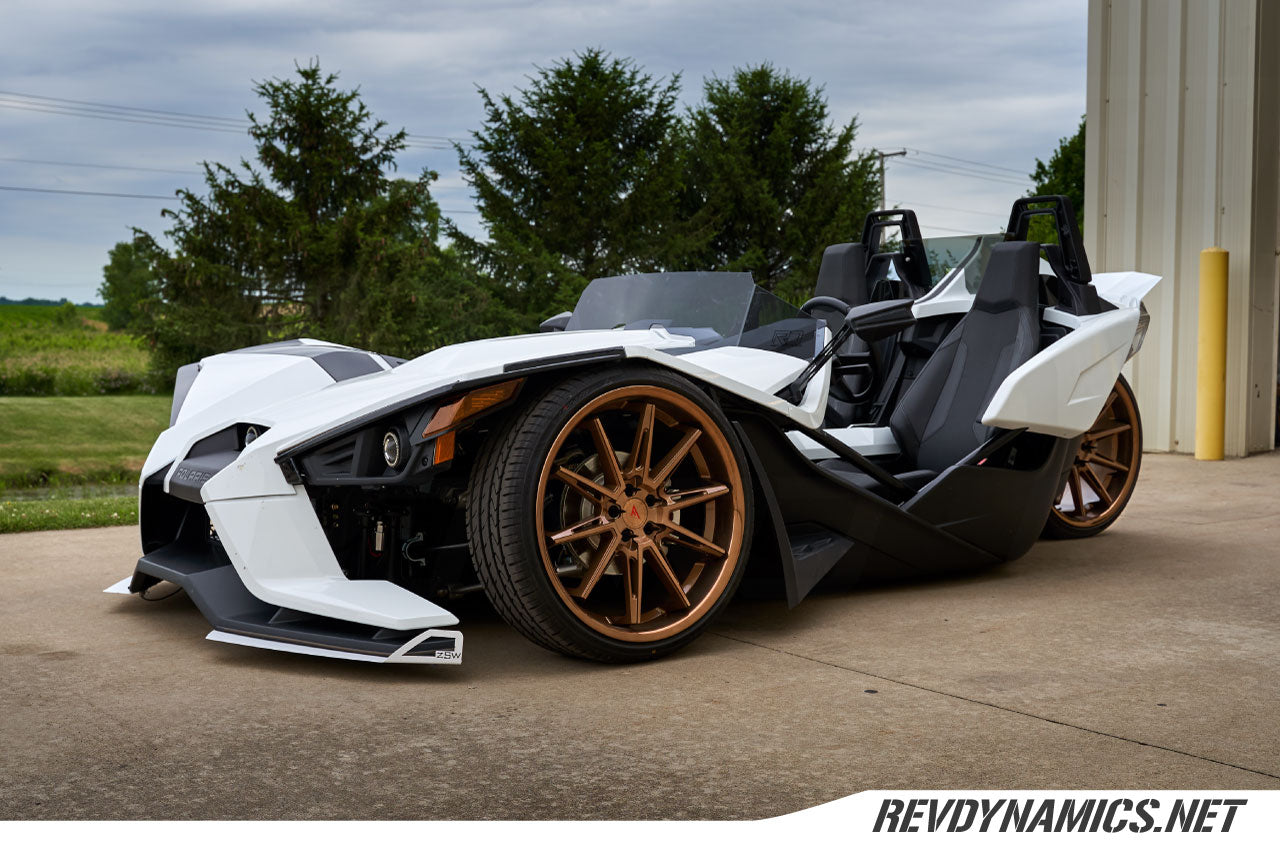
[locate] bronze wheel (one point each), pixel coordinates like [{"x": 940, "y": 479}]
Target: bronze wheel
[
  {"x": 640, "y": 543},
  {"x": 1104, "y": 471},
  {"x": 637, "y": 509}
]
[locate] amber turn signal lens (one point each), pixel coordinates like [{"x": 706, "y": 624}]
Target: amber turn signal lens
[
  {"x": 454, "y": 413},
  {"x": 444, "y": 448}
]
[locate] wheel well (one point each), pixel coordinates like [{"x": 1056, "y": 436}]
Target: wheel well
[{"x": 769, "y": 554}]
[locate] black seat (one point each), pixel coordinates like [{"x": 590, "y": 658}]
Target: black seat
[
  {"x": 843, "y": 273},
  {"x": 842, "y": 276},
  {"x": 864, "y": 376},
  {"x": 936, "y": 422}
]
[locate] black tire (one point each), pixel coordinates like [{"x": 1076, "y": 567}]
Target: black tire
[
  {"x": 511, "y": 492},
  {"x": 1122, "y": 406}
]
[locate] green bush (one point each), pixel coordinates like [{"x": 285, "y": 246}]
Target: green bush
[
  {"x": 118, "y": 381},
  {"x": 28, "y": 381},
  {"x": 65, "y": 315},
  {"x": 63, "y": 350}
]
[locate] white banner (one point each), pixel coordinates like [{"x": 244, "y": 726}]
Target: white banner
[{"x": 895, "y": 819}]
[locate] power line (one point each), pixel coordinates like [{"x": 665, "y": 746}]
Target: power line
[
  {"x": 237, "y": 122},
  {"x": 166, "y": 118},
  {"x": 149, "y": 197},
  {"x": 75, "y": 112},
  {"x": 952, "y": 209},
  {"x": 98, "y": 165},
  {"x": 959, "y": 173},
  {"x": 963, "y": 171},
  {"x": 969, "y": 162},
  {"x": 56, "y": 110},
  {"x": 128, "y": 109},
  {"x": 84, "y": 192}
]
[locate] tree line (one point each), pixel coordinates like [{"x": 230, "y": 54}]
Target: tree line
[{"x": 590, "y": 170}]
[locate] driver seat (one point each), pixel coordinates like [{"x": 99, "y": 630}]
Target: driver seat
[
  {"x": 843, "y": 276},
  {"x": 937, "y": 421},
  {"x": 865, "y": 376}
]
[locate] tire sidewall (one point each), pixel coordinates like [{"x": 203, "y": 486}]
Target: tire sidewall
[{"x": 523, "y": 474}]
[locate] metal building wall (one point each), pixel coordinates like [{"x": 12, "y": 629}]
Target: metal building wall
[{"x": 1183, "y": 152}]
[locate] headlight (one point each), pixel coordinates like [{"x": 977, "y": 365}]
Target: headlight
[
  {"x": 249, "y": 432},
  {"x": 393, "y": 447},
  {"x": 392, "y": 452}
]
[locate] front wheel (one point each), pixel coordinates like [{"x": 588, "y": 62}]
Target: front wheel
[
  {"x": 610, "y": 518},
  {"x": 1104, "y": 471}
]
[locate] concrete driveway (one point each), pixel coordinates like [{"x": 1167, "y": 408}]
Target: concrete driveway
[{"x": 1148, "y": 657}]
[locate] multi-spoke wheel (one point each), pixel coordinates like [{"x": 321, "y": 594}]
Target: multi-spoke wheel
[
  {"x": 610, "y": 518},
  {"x": 1104, "y": 471}
]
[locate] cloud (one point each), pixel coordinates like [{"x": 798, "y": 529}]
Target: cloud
[{"x": 997, "y": 83}]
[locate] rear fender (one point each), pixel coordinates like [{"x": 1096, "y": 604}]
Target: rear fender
[{"x": 1061, "y": 390}]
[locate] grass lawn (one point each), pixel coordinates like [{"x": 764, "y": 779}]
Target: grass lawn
[
  {"x": 70, "y": 448},
  {"x": 76, "y": 439},
  {"x": 38, "y": 514},
  {"x": 45, "y": 353}
]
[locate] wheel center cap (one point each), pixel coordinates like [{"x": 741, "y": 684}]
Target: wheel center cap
[{"x": 635, "y": 513}]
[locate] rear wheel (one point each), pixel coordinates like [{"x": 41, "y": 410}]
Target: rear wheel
[
  {"x": 1104, "y": 471},
  {"x": 610, "y": 519}
]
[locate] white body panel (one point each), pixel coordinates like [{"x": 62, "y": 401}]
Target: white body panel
[
  {"x": 866, "y": 440},
  {"x": 267, "y": 525},
  {"x": 283, "y": 558},
  {"x": 1062, "y": 389},
  {"x": 948, "y": 297},
  {"x": 441, "y": 657},
  {"x": 1124, "y": 289}
]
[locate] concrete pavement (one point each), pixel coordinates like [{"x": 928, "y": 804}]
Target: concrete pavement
[{"x": 1148, "y": 657}]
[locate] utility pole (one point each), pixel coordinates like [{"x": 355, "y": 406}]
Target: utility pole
[{"x": 882, "y": 156}]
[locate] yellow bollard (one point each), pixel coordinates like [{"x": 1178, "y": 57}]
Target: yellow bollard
[{"x": 1211, "y": 356}]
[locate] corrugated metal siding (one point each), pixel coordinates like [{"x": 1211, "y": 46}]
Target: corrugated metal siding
[{"x": 1182, "y": 152}]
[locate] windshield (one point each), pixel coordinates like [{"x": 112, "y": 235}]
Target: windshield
[
  {"x": 714, "y": 308},
  {"x": 967, "y": 253}
]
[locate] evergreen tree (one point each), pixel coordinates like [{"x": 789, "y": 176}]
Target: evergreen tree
[
  {"x": 313, "y": 239},
  {"x": 770, "y": 183},
  {"x": 575, "y": 178}
]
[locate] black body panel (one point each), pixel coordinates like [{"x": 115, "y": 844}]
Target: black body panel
[
  {"x": 340, "y": 364},
  {"x": 194, "y": 559},
  {"x": 207, "y": 458},
  {"x": 808, "y": 500},
  {"x": 986, "y": 509}
]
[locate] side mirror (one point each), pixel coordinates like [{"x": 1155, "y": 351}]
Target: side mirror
[
  {"x": 880, "y": 319},
  {"x": 557, "y": 322}
]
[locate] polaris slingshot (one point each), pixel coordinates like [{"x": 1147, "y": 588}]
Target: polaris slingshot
[{"x": 937, "y": 406}]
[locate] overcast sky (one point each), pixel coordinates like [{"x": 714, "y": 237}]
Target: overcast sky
[{"x": 996, "y": 84}]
